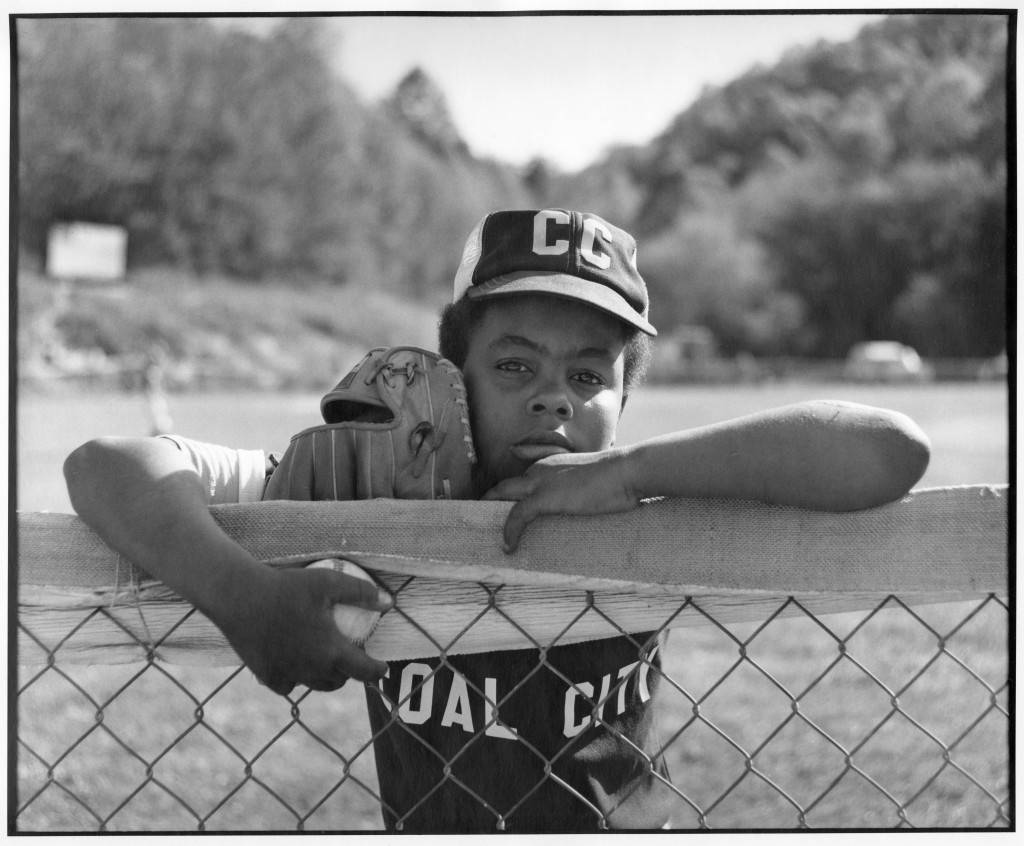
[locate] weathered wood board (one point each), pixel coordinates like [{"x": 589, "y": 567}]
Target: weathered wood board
[{"x": 670, "y": 563}]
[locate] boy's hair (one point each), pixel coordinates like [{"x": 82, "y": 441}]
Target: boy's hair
[{"x": 459, "y": 318}]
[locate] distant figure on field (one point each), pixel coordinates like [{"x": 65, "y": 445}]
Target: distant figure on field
[{"x": 156, "y": 396}]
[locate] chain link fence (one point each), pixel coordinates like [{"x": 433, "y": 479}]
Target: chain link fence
[{"x": 897, "y": 717}]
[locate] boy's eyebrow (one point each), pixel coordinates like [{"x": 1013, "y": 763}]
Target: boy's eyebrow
[{"x": 522, "y": 341}]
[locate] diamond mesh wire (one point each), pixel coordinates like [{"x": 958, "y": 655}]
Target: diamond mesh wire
[{"x": 893, "y": 718}]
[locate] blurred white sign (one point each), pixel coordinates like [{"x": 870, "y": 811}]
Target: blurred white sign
[{"x": 87, "y": 251}]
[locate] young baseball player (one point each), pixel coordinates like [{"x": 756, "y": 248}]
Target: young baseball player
[{"x": 550, "y": 327}]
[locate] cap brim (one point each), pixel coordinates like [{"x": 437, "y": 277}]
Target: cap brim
[{"x": 562, "y": 285}]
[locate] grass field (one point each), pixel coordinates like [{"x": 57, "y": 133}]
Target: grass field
[{"x": 125, "y": 745}]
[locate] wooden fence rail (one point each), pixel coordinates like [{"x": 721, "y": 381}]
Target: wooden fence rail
[{"x": 736, "y": 559}]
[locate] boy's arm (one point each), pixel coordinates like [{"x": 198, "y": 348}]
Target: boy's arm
[
  {"x": 825, "y": 455},
  {"x": 145, "y": 499}
]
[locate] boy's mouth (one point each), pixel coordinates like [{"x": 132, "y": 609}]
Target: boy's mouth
[{"x": 539, "y": 445}]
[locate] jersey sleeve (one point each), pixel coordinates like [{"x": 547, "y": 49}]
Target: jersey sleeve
[{"x": 228, "y": 475}]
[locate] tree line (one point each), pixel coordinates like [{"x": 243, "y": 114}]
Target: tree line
[{"x": 851, "y": 191}]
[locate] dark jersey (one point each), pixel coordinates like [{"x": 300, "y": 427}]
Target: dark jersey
[
  {"x": 543, "y": 760},
  {"x": 526, "y": 741}
]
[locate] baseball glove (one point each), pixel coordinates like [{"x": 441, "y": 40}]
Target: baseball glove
[{"x": 396, "y": 426}]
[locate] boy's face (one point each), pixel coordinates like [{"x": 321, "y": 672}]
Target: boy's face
[{"x": 544, "y": 375}]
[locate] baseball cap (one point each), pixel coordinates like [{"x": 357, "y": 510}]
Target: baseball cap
[{"x": 568, "y": 254}]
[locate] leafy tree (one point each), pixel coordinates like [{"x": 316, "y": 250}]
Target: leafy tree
[
  {"x": 870, "y": 172},
  {"x": 851, "y": 191},
  {"x": 838, "y": 245},
  {"x": 706, "y": 272}
]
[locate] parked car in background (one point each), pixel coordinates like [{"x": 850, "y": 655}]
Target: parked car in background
[
  {"x": 997, "y": 367},
  {"x": 885, "y": 361}
]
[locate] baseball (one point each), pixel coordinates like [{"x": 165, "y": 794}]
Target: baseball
[{"x": 355, "y": 624}]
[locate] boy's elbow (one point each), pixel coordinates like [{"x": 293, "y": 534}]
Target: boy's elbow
[
  {"x": 891, "y": 456},
  {"x": 903, "y": 457},
  {"x": 77, "y": 464},
  {"x": 84, "y": 465},
  {"x": 109, "y": 463},
  {"x": 915, "y": 449},
  {"x": 89, "y": 457}
]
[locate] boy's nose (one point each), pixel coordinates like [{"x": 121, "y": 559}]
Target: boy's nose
[{"x": 551, "y": 401}]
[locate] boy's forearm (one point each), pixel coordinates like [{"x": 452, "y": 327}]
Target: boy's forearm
[
  {"x": 146, "y": 501},
  {"x": 144, "y": 498},
  {"x": 823, "y": 455}
]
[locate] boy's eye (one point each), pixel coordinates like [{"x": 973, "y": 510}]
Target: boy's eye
[
  {"x": 589, "y": 378},
  {"x": 511, "y": 366}
]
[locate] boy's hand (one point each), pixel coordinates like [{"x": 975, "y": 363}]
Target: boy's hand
[
  {"x": 282, "y": 627},
  {"x": 575, "y": 483}
]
